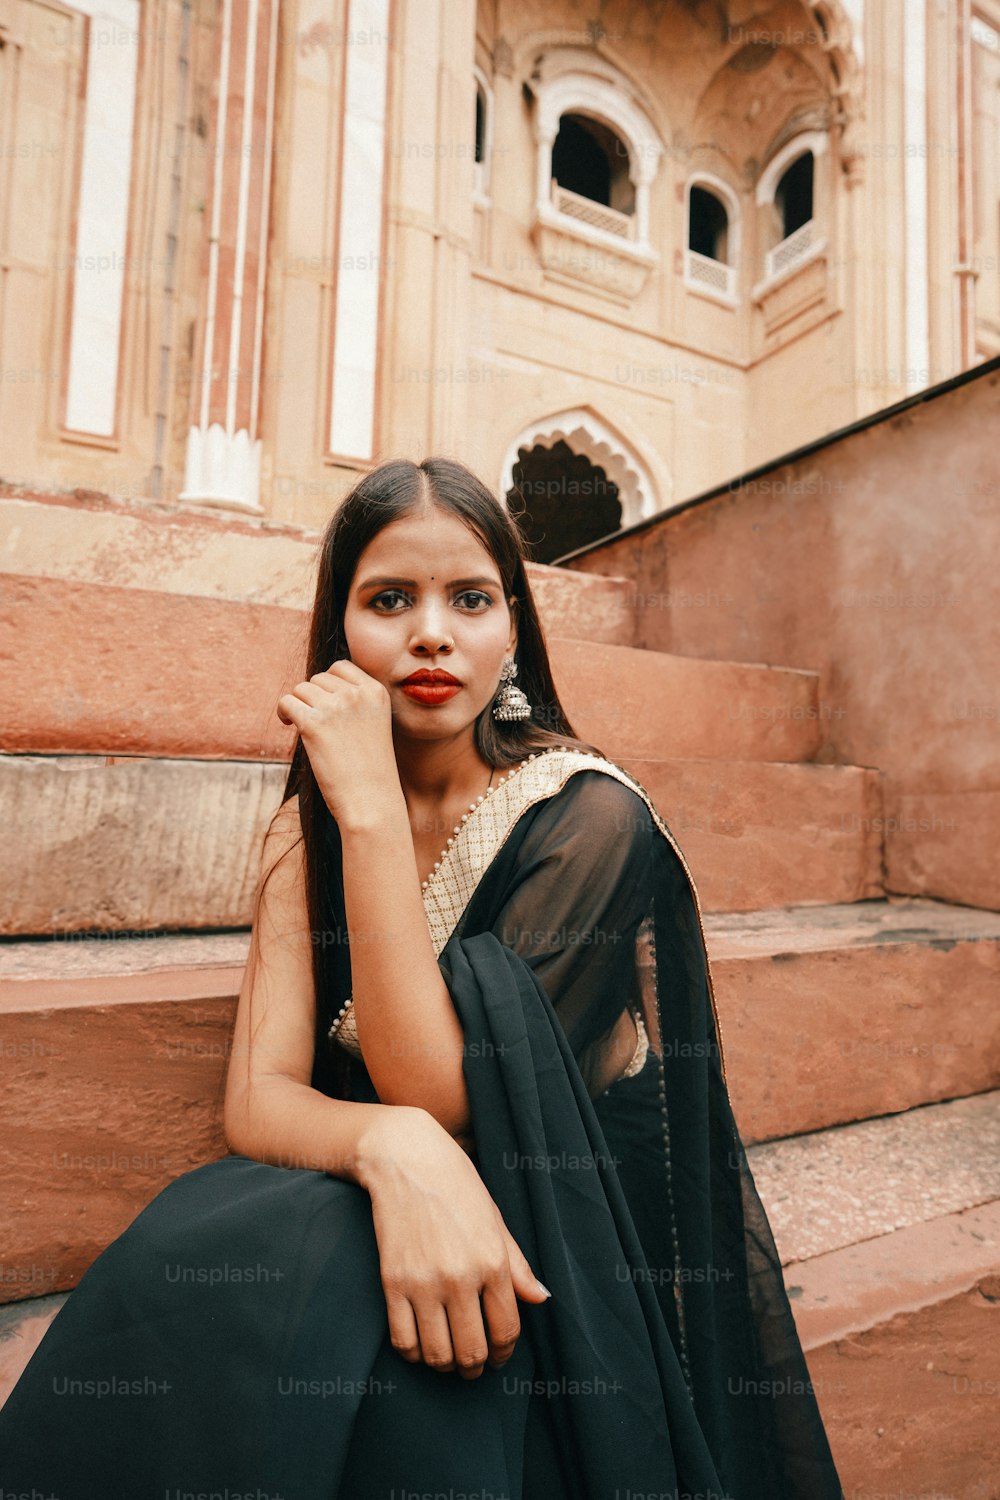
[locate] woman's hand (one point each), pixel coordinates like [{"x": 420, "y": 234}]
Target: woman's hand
[
  {"x": 345, "y": 720},
  {"x": 442, "y": 1244}
]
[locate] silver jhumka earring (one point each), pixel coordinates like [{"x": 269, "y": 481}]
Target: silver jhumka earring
[{"x": 510, "y": 702}]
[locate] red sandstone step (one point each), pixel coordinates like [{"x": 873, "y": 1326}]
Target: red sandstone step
[
  {"x": 210, "y": 672},
  {"x": 889, "y": 1234},
  {"x": 835, "y": 1190},
  {"x": 837, "y": 1013},
  {"x": 120, "y": 1048},
  {"x": 569, "y": 604},
  {"x": 828, "y": 1015},
  {"x": 150, "y": 843},
  {"x": 759, "y": 834},
  {"x": 87, "y": 540},
  {"x": 650, "y": 705}
]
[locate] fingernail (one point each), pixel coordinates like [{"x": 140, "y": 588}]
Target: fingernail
[{"x": 543, "y": 1287}]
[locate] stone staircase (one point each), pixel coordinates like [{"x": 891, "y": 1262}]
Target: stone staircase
[{"x": 861, "y": 1028}]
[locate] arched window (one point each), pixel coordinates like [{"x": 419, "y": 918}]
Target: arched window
[
  {"x": 596, "y": 154},
  {"x": 484, "y": 137},
  {"x": 711, "y": 256},
  {"x": 786, "y": 193},
  {"x": 708, "y": 225},
  {"x": 589, "y": 161},
  {"x": 793, "y": 197}
]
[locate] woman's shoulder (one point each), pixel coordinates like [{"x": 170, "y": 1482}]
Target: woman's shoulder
[{"x": 592, "y": 789}]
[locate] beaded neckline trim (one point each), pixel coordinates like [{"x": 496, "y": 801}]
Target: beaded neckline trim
[
  {"x": 480, "y": 834},
  {"x": 474, "y": 807}
]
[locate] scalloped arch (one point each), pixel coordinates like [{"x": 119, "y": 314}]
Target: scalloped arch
[{"x": 587, "y": 434}]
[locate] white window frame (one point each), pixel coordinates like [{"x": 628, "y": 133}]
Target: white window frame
[
  {"x": 483, "y": 170},
  {"x": 805, "y": 243},
  {"x": 599, "y": 98},
  {"x": 729, "y": 295}
]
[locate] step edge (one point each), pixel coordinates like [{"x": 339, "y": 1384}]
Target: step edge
[
  {"x": 166, "y": 985},
  {"x": 882, "y": 1300},
  {"x": 215, "y": 976},
  {"x": 810, "y": 674}
]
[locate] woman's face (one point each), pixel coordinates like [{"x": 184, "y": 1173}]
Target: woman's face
[{"x": 427, "y": 595}]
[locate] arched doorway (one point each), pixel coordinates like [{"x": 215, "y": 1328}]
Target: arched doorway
[{"x": 561, "y": 499}]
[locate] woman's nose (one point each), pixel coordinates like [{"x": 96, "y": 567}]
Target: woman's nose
[{"x": 431, "y": 631}]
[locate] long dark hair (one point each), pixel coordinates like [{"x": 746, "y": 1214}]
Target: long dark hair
[{"x": 383, "y": 495}]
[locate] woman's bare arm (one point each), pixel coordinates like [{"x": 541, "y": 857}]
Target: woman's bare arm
[
  {"x": 408, "y": 1030},
  {"x": 272, "y": 1113},
  {"x": 441, "y": 1239}
]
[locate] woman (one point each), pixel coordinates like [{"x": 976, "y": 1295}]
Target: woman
[{"x": 487, "y": 1226}]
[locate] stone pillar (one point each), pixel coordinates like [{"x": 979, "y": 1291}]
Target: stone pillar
[
  {"x": 223, "y": 449},
  {"x": 431, "y": 183},
  {"x": 965, "y": 271}
]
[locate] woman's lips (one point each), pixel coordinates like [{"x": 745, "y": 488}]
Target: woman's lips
[{"x": 431, "y": 692}]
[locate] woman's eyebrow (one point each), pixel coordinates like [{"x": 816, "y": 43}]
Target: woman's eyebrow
[{"x": 411, "y": 583}]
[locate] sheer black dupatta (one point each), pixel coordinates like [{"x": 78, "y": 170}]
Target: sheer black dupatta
[
  {"x": 668, "y": 1349},
  {"x": 666, "y": 1361}
]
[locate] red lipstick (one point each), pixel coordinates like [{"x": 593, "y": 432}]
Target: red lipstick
[{"x": 429, "y": 687}]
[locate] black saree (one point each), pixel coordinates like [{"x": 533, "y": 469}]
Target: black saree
[{"x": 666, "y": 1361}]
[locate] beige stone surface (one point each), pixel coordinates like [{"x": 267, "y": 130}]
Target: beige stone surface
[
  {"x": 477, "y": 340},
  {"x": 862, "y": 924},
  {"x": 834, "y": 1188},
  {"x": 123, "y": 964},
  {"x": 138, "y": 844}
]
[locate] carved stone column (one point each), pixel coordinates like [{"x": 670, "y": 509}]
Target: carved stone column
[{"x": 223, "y": 450}]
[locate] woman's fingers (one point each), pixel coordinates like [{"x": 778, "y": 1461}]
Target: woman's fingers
[
  {"x": 303, "y": 695},
  {"x": 526, "y": 1283},
  {"x": 443, "y": 1246},
  {"x": 468, "y": 1336},
  {"x": 435, "y": 1335},
  {"x": 402, "y": 1326},
  {"x": 503, "y": 1321}
]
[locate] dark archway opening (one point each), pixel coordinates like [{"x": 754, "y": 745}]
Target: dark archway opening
[
  {"x": 590, "y": 159},
  {"x": 567, "y": 501},
  {"x": 480, "y": 124},
  {"x": 708, "y": 225},
  {"x": 793, "y": 196}
]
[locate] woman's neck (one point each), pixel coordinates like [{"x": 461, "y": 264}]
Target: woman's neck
[{"x": 433, "y": 773}]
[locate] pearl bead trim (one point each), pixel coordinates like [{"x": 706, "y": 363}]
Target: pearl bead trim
[{"x": 424, "y": 884}]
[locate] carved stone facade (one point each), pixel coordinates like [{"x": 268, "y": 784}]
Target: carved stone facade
[{"x": 251, "y": 247}]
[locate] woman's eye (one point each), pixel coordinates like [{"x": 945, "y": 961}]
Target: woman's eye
[
  {"x": 389, "y": 594},
  {"x": 480, "y": 600}
]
